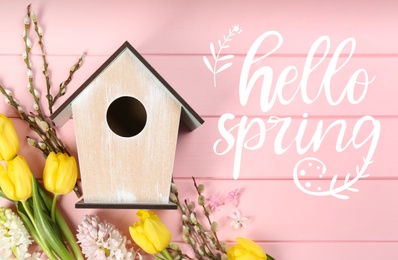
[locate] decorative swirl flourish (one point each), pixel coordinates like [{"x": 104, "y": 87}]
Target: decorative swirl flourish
[{"x": 333, "y": 190}]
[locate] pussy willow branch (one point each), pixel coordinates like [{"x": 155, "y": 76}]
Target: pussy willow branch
[
  {"x": 207, "y": 215},
  {"x": 37, "y": 121},
  {"x": 204, "y": 243}
]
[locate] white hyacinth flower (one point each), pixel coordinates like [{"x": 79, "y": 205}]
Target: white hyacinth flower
[
  {"x": 14, "y": 238},
  {"x": 101, "y": 240}
]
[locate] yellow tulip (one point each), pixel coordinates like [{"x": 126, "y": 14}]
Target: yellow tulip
[
  {"x": 9, "y": 143},
  {"x": 16, "y": 180},
  {"x": 246, "y": 250},
  {"x": 60, "y": 173},
  {"x": 150, "y": 233}
]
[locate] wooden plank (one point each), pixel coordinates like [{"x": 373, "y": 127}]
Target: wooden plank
[
  {"x": 196, "y": 156},
  {"x": 180, "y": 26},
  {"x": 190, "y": 78},
  {"x": 361, "y": 219},
  {"x": 196, "y": 151},
  {"x": 327, "y": 250}
]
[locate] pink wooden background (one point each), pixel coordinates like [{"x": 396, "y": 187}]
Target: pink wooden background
[{"x": 174, "y": 36}]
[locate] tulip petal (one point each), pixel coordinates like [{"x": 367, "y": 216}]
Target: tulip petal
[
  {"x": 60, "y": 173},
  {"x": 67, "y": 174},
  {"x": 252, "y": 248},
  {"x": 138, "y": 235},
  {"x": 8, "y": 139},
  {"x": 246, "y": 250},
  {"x": 157, "y": 232},
  {"x": 6, "y": 184},
  {"x": 20, "y": 175},
  {"x": 49, "y": 172}
]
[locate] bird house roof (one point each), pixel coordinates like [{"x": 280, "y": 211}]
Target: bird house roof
[{"x": 188, "y": 116}]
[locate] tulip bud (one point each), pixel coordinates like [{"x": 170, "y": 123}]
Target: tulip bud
[
  {"x": 150, "y": 233},
  {"x": 8, "y": 139},
  {"x": 60, "y": 173},
  {"x": 247, "y": 248},
  {"x": 16, "y": 180}
]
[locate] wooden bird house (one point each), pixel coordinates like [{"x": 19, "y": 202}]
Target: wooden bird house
[{"x": 126, "y": 119}]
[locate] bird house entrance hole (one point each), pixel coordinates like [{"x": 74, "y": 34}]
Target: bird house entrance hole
[{"x": 126, "y": 116}]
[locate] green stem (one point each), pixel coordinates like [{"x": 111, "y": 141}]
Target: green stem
[
  {"x": 40, "y": 240},
  {"x": 66, "y": 232},
  {"x": 270, "y": 257},
  {"x": 53, "y": 207},
  {"x": 166, "y": 254}
]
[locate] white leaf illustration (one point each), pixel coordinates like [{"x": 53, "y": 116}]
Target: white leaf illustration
[
  {"x": 226, "y": 57},
  {"x": 341, "y": 196},
  {"x": 213, "y": 51},
  {"x": 347, "y": 178},
  {"x": 207, "y": 62},
  {"x": 224, "y": 67},
  {"x": 333, "y": 182},
  {"x": 222, "y": 44}
]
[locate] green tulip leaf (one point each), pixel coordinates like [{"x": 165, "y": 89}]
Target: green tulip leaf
[{"x": 45, "y": 227}]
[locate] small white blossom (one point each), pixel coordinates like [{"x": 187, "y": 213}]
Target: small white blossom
[
  {"x": 101, "y": 240},
  {"x": 238, "y": 221},
  {"x": 14, "y": 238}
]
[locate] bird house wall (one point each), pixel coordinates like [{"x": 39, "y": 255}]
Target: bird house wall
[{"x": 118, "y": 169}]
